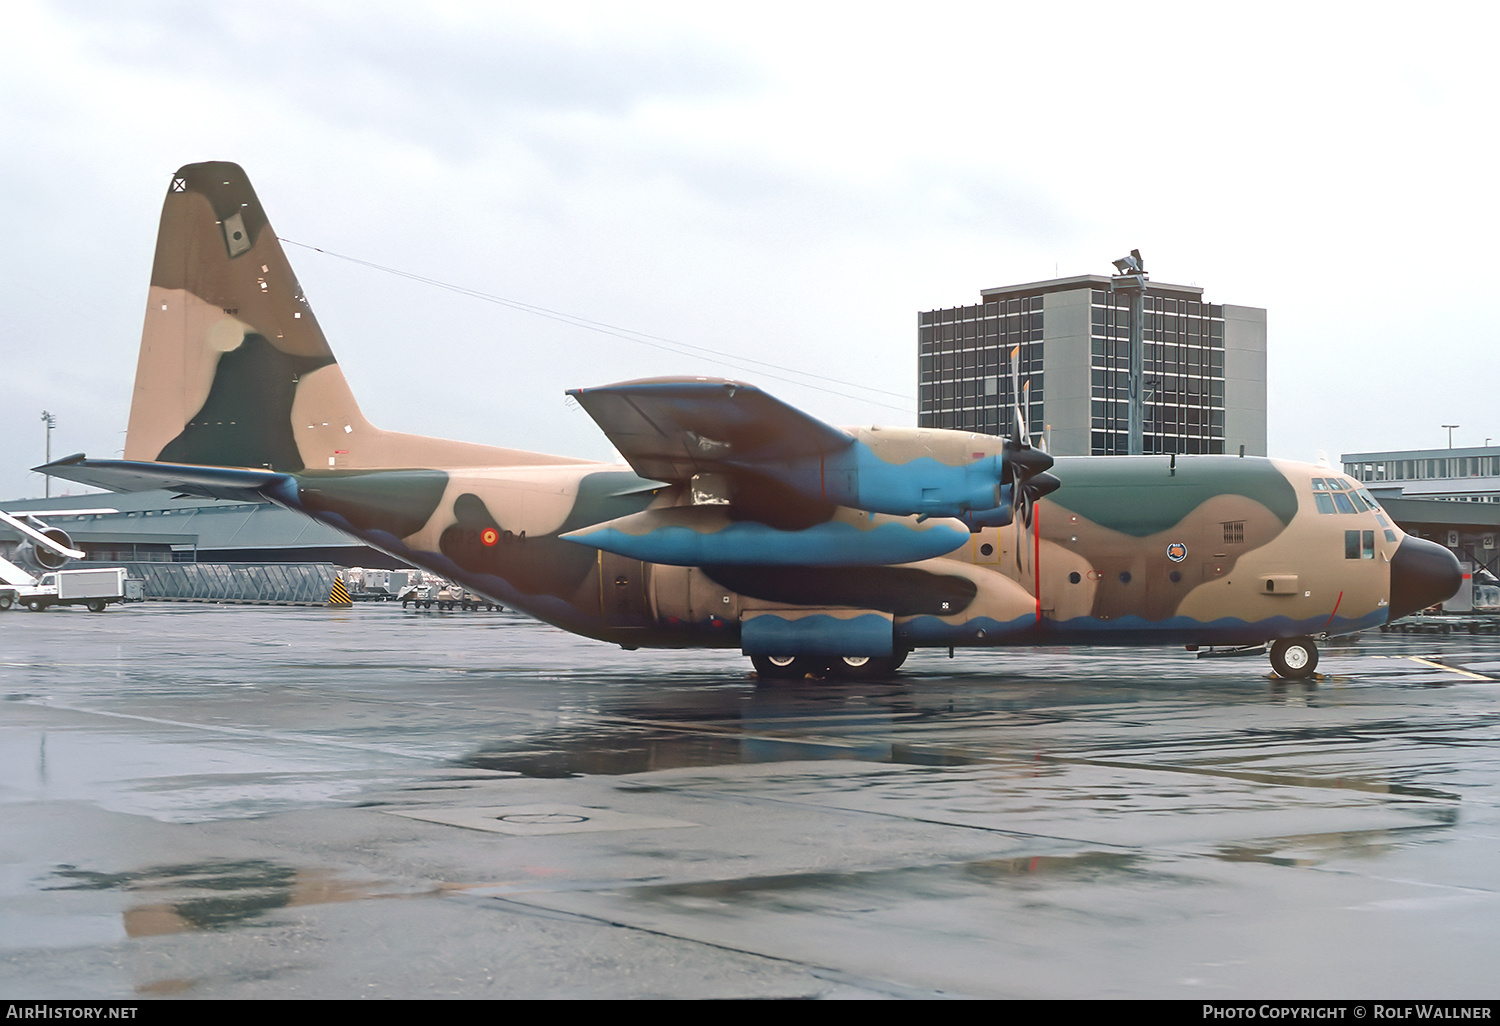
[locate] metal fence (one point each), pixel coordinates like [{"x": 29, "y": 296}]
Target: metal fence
[{"x": 281, "y": 584}]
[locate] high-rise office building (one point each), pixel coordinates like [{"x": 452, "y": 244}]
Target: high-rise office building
[{"x": 1204, "y": 367}]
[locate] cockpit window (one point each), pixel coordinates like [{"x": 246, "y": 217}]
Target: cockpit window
[{"x": 1334, "y": 495}]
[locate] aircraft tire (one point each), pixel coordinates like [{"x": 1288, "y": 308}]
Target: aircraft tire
[
  {"x": 861, "y": 667},
  {"x": 781, "y": 667},
  {"x": 1294, "y": 658},
  {"x": 96, "y": 605}
]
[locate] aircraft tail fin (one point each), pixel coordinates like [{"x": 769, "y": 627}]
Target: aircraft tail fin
[{"x": 234, "y": 369}]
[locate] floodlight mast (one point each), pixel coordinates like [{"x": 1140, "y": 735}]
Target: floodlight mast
[
  {"x": 1131, "y": 280},
  {"x": 50, "y": 419}
]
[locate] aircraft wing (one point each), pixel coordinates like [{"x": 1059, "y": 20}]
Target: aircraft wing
[
  {"x": 670, "y": 429},
  {"x": 138, "y": 476}
]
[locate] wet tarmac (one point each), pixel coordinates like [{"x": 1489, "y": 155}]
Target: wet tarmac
[{"x": 229, "y": 801}]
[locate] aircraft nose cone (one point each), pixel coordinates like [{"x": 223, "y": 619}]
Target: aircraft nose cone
[{"x": 1422, "y": 572}]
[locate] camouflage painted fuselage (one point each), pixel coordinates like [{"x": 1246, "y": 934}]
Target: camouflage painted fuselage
[{"x": 1130, "y": 550}]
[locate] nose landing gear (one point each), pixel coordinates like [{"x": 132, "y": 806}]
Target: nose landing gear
[{"x": 1294, "y": 658}]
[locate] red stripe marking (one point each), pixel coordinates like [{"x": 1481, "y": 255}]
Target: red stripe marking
[
  {"x": 1335, "y": 610},
  {"x": 1036, "y": 559}
]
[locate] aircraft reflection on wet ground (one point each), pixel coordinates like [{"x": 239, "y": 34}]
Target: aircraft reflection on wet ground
[{"x": 245, "y": 802}]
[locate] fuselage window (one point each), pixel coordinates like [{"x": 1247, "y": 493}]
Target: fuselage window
[
  {"x": 1342, "y": 502},
  {"x": 1325, "y": 502},
  {"x": 1359, "y": 544}
]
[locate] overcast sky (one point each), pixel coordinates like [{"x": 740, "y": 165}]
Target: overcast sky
[{"x": 788, "y": 184}]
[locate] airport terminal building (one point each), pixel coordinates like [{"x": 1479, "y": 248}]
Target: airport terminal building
[
  {"x": 158, "y": 526},
  {"x": 1469, "y": 474},
  {"x": 1204, "y": 367}
]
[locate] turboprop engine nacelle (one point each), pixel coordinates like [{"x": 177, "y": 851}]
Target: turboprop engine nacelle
[
  {"x": 925, "y": 472},
  {"x": 932, "y": 472}
]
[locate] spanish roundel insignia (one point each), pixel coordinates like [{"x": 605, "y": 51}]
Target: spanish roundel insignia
[
  {"x": 490, "y": 536},
  {"x": 1177, "y": 552}
]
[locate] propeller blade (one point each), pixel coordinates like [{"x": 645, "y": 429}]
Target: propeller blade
[
  {"x": 1021, "y": 438},
  {"x": 1025, "y": 408},
  {"x": 1028, "y": 466}
]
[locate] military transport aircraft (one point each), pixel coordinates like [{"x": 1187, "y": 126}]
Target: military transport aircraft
[{"x": 739, "y": 520}]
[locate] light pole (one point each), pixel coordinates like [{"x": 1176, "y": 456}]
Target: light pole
[
  {"x": 51, "y": 421},
  {"x": 1450, "y": 428},
  {"x": 1131, "y": 280}
]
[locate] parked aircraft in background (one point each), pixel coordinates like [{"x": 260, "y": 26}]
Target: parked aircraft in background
[{"x": 739, "y": 521}]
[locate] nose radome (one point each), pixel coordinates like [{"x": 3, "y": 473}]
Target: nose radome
[{"x": 1422, "y": 573}]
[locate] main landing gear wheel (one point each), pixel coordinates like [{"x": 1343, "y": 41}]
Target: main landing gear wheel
[
  {"x": 837, "y": 667},
  {"x": 781, "y": 667},
  {"x": 861, "y": 667},
  {"x": 1294, "y": 658}
]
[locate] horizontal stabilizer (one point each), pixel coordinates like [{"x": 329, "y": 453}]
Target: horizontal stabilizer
[{"x": 139, "y": 476}]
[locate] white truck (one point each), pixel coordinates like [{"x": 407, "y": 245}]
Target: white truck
[
  {"x": 48, "y": 548},
  {"x": 94, "y": 588}
]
